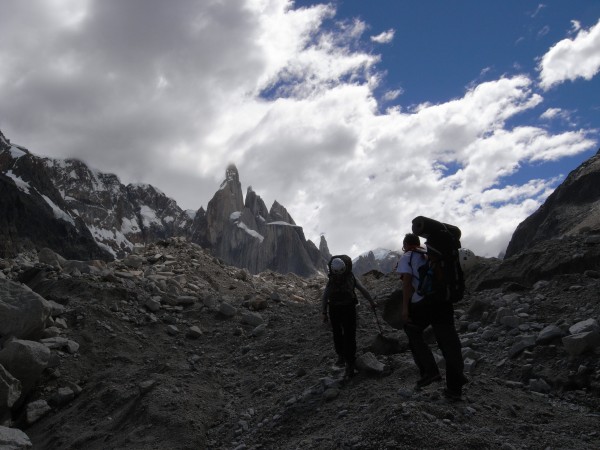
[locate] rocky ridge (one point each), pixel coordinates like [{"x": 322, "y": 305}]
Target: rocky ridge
[
  {"x": 572, "y": 209},
  {"x": 170, "y": 347}
]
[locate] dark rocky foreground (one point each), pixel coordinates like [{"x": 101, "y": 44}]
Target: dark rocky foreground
[{"x": 170, "y": 348}]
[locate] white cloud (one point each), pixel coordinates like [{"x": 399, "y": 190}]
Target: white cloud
[
  {"x": 570, "y": 59},
  {"x": 170, "y": 97},
  {"x": 385, "y": 37},
  {"x": 392, "y": 95}
]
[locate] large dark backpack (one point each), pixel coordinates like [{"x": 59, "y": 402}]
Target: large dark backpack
[
  {"x": 441, "y": 278},
  {"x": 341, "y": 286}
]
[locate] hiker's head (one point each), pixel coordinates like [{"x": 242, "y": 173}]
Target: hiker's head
[
  {"x": 337, "y": 266},
  {"x": 410, "y": 242}
]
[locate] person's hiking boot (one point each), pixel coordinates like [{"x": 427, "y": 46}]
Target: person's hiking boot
[
  {"x": 453, "y": 395},
  {"x": 349, "y": 373},
  {"x": 340, "y": 361},
  {"x": 426, "y": 380}
]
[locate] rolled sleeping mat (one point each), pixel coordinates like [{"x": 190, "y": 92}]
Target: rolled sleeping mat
[{"x": 425, "y": 227}]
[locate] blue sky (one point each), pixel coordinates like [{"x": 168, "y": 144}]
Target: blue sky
[{"x": 355, "y": 115}]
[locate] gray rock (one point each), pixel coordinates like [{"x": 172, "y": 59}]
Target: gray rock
[
  {"x": 133, "y": 261},
  {"x": 549, "y": 334},
  {"x": 153, "y": 303},
  {"x": 252, "y": 318},
  {"x": 259, "y": 330},
  {"x": 331, "y": 394},
  {"x": 524, "y": 343},
  {"x": 36, "y": 410},
  {"x": 227, "y": 310},
  {"x": 194, "y": 332},
  {"x": 577, "y": 344},
  {"x": 583, "y": 326},
  {"x": 47, "y": 256},
  {"x": 511, "y": 321},
  {"x": 539, "y": 385},
  {"x": 23, "y": 313},
  {"x": 62, "y": 396},
  {"x": 369, "y": 363},
  {"x": 185, "y": 300},
  {"x": 25, "y": 360},
  {"x": 10, "y": 389},
  {"x": 172, "y": 330},
  {"x": 14, "y": 439}
]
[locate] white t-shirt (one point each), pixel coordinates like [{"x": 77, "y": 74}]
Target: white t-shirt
[{"x": 410, "y": 263}]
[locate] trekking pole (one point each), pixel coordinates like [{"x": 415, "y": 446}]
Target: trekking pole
[{"x": 377, "y": 319}]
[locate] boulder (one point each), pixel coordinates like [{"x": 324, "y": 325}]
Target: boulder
[
  {"x": 576, "y": 344},
  {"x": 549, "y": 334},
  {"x": 36, "y": 410},
  {"x": 369, "y": 363},
  {"x": 47, "y": 256},
  {"x": 23, "y": 313},
  {"x": 254, "y": 319},
  {"x": 25, "y": 360},
  {"x": 583, "y": 326},
  {"x": 14, "y": 439},
  {"x": 10, "y": 389}
]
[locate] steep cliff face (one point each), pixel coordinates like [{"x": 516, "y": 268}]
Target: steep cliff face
[
  {"x": 78, "y": 212},
  {"x": 572, "y": 209},
  {"x": 34, "y": 213},
  {"x": 246, "y": 234}
]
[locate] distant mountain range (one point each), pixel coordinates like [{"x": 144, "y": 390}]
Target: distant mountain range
[{"x": 85, "y": 214}]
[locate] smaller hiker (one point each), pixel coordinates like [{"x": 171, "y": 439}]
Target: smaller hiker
[
  {"x": 340, "y": 298},
  {"x": 419, "y": 311}
]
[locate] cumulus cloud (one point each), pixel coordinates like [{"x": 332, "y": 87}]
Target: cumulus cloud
[
  {"x": 169, "y": 93},
  {"x": 385, "y": 37},
  {"x": 570, "y": 59}
]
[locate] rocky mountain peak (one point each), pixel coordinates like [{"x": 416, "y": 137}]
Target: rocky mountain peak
[
  {"x": 572, "y": 209},
  {"x": 232, "y": 176},
  {"x": 279, "y": 214},
  {"x": 324, "y": 248}
]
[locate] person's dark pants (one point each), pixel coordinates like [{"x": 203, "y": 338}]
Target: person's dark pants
[
  {"x": 343, "y": 324},
  {"x": 441, "y": 318}
]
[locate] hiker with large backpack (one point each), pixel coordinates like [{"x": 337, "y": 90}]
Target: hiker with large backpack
[
  {"x": 431, "y": 284},
  {"x": 339, "y": 298}
]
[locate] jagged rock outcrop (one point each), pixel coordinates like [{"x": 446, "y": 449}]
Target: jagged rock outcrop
[
  {"x": 573, "y": 208},
  {"x": 247, "y": 234}
]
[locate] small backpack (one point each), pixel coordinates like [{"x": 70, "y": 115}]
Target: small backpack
[
  {"x": 441, "y": 278},
  {"x": 341, "y": 286}
]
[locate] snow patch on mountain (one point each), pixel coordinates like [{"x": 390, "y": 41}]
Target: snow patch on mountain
[
  {"x": 102, "y": 235},
  {"x": 16, "y": 152},
  {"x": 59, "y": 213},
  {"x": 21, "y": 184}
]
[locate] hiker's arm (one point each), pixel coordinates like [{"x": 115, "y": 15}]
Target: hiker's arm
[
  {"x": 407, "y": 292},
  {"x": 364, "y": 292},
  {"x": 324, "y": 299}
]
